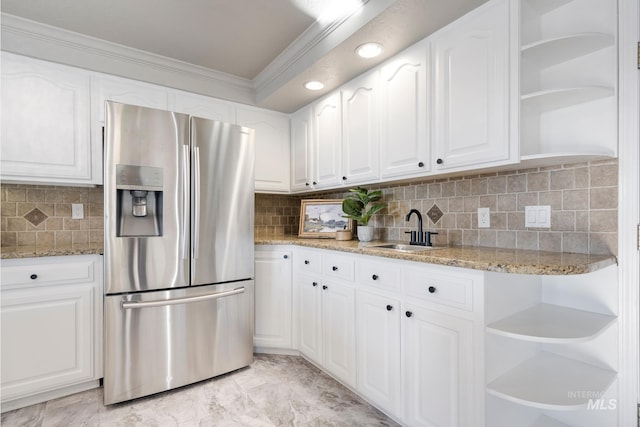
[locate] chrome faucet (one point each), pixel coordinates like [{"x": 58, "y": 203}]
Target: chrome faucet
[{"x": 419, "y": 238}]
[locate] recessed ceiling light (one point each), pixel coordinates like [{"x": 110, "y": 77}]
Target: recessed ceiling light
[
  {"x": 314, "y": 85},
  {"x": 369, "y": 50}
]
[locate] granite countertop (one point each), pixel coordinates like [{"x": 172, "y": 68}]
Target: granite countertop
[
  {"x": 478, "y": 258},
  {"x": 34, "y": 251}
]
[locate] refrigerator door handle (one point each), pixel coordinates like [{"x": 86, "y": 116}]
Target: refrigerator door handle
[
  {"x": 159, "y": 303},
  {"x": 196, "y": 202},
  {"x": 185, "y": 201}
]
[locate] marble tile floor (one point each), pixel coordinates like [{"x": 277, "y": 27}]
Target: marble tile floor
[{"x": 274, "y": 391}]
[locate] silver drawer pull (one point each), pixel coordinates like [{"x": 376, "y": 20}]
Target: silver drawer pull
[{"x": 159, "y": 303}]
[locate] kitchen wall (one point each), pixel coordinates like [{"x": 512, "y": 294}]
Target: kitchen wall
[
  {"x": 41, "y": 215},
  {"x": 583, "y": 199}
]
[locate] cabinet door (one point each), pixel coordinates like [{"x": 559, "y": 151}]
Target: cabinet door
[
  {"x": 327, "y": 129},
  {"x": 271, "y": 147},
  {"x": 437, "y": 370},
  {"x": 45, "y": 124},
  {"x": 404, "y": 142},
  {"x": 201, "y": 106},
  {"x": 378, "y": 350},
  {"x": 471, "y": 66},
  {"x": 360, "y": 130},
  {"x": 301, "y": 151},
  {"x": 338, "y": 322},
  {"x": 47, "y": 338},
  {"x": 125, "y": 91},
  {"x": 310, "y": 328},
  {"x": 272, "y": 299}
]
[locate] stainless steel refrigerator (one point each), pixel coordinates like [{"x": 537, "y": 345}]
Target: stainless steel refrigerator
[{"x": 179, "y": 207}]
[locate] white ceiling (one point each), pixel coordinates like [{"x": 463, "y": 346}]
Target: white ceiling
[{"x": 276, "y": 45}]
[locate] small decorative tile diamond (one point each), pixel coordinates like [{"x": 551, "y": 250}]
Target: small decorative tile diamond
[
  {"x": 35, "y": 216},
  {"x": 434, "y": 214}
]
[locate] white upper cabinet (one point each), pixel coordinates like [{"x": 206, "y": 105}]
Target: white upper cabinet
[
  {"x": 201, "y": 106},
  {"x": 301, "y": 150},
  {"x": 360, "y": 130},
  {"x": 125, "y": 91},
  {"x": 471, "y": 82},
  {"x": 327, "y": 142},
  {"x": 271, "y": 147},
  {"x": 45, "y": 124},
  {"x": 404, "y": 142}
]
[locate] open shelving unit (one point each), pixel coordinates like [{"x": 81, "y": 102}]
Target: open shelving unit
[
  {"x": 548, "y": 381},
  {"x": 549, "y": 323},
  {"x": 551, "y": 349},
  {"x": 568, "y": 81}
]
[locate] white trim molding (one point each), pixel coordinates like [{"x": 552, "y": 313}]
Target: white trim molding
[{"x": 629, "y": 210}]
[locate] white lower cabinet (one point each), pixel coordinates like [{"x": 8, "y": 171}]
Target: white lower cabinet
[
  {"x": 327, "y": 326},
  {"x": 378, "y": 349},
  {"x": 406, "y": 337},
  {"x": 272, "y": 298},
  {"x": 437, "y": 368},
  {"x": 51, "y": 341}
]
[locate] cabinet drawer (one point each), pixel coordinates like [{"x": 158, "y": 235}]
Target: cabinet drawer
[
  {"x": 43, "y": 272},
  {"x": 435, "y": 287},
  {"x": 338, "y": 267},
  {"x": 308, "y": 261},
  {"x": 378, "y": 274}
]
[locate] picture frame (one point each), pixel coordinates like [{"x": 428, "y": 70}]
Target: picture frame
[{"x": 321, "y": 218}]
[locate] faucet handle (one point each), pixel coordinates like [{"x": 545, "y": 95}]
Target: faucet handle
[
  {"x": 413, "y": 235},
  {"x": 427, "y": 237}
]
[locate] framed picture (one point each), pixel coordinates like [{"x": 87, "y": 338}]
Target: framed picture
[{"x": 322, "y": 218}]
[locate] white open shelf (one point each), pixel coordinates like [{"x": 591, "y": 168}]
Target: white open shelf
[
  {"x": 553, "y": 99},
  {"x": 549, "y": 323},
  {"x": 552, "y": 382},
  {"x": 545, "y": 421},
  {"x": 561, "y": 158},
  {"x": 544, "y": 6},
  {"x": 546, "y": 53}
]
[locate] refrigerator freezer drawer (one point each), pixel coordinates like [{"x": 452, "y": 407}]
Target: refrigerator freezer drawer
[{"x": 156, "y": 341}]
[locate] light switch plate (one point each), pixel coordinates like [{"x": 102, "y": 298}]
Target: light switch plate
[
  {"x": 77, "y": 211},
  {"x": 484, "y": 218},
  {"x": 537, "y": 216}
]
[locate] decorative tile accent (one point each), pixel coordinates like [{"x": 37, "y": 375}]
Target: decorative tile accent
[
  {"x": 435, "y": 214},
  {"x": 35, "y": 216}
]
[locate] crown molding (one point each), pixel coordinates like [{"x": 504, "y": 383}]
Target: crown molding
[
  {"x": 34, "y": 39},
  {"x": 317, "y": 41}
]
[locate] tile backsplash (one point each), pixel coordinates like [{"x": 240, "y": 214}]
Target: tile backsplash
[
  {"x": 583, "y": 199},
  {"x": 41, "y": 215}
]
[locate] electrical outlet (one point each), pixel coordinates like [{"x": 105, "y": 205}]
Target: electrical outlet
[
  {"x": 484, "y": 218},
  {"x": 77, "y": 211},
  {"x": 537, "y": 216}
]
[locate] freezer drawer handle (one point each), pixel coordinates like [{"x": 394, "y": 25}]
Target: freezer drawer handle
[{"x": 159, "y": 303}]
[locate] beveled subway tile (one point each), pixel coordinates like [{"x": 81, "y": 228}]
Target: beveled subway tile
[
  {"x": 575, "y": 242},
  {"x": 575, "y": 199},
  {"x": 538, "y": 181},
  {"x": 562, "y": 179},
  {"x": 603, "y": 198},
  {"x": 497, "y": 185},
  {"x": 604, "y": 175},
  {"x": 8, "y": 209},
  {"x": 603, "y": 221}
]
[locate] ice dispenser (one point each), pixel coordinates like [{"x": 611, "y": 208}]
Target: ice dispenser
[{"x": 138, "y": 201}]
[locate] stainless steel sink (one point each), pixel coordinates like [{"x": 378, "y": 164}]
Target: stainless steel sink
[{"x": 406, "y": 248}]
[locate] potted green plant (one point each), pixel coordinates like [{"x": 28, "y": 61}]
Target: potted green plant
[{"x": 360, "y": 205}]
